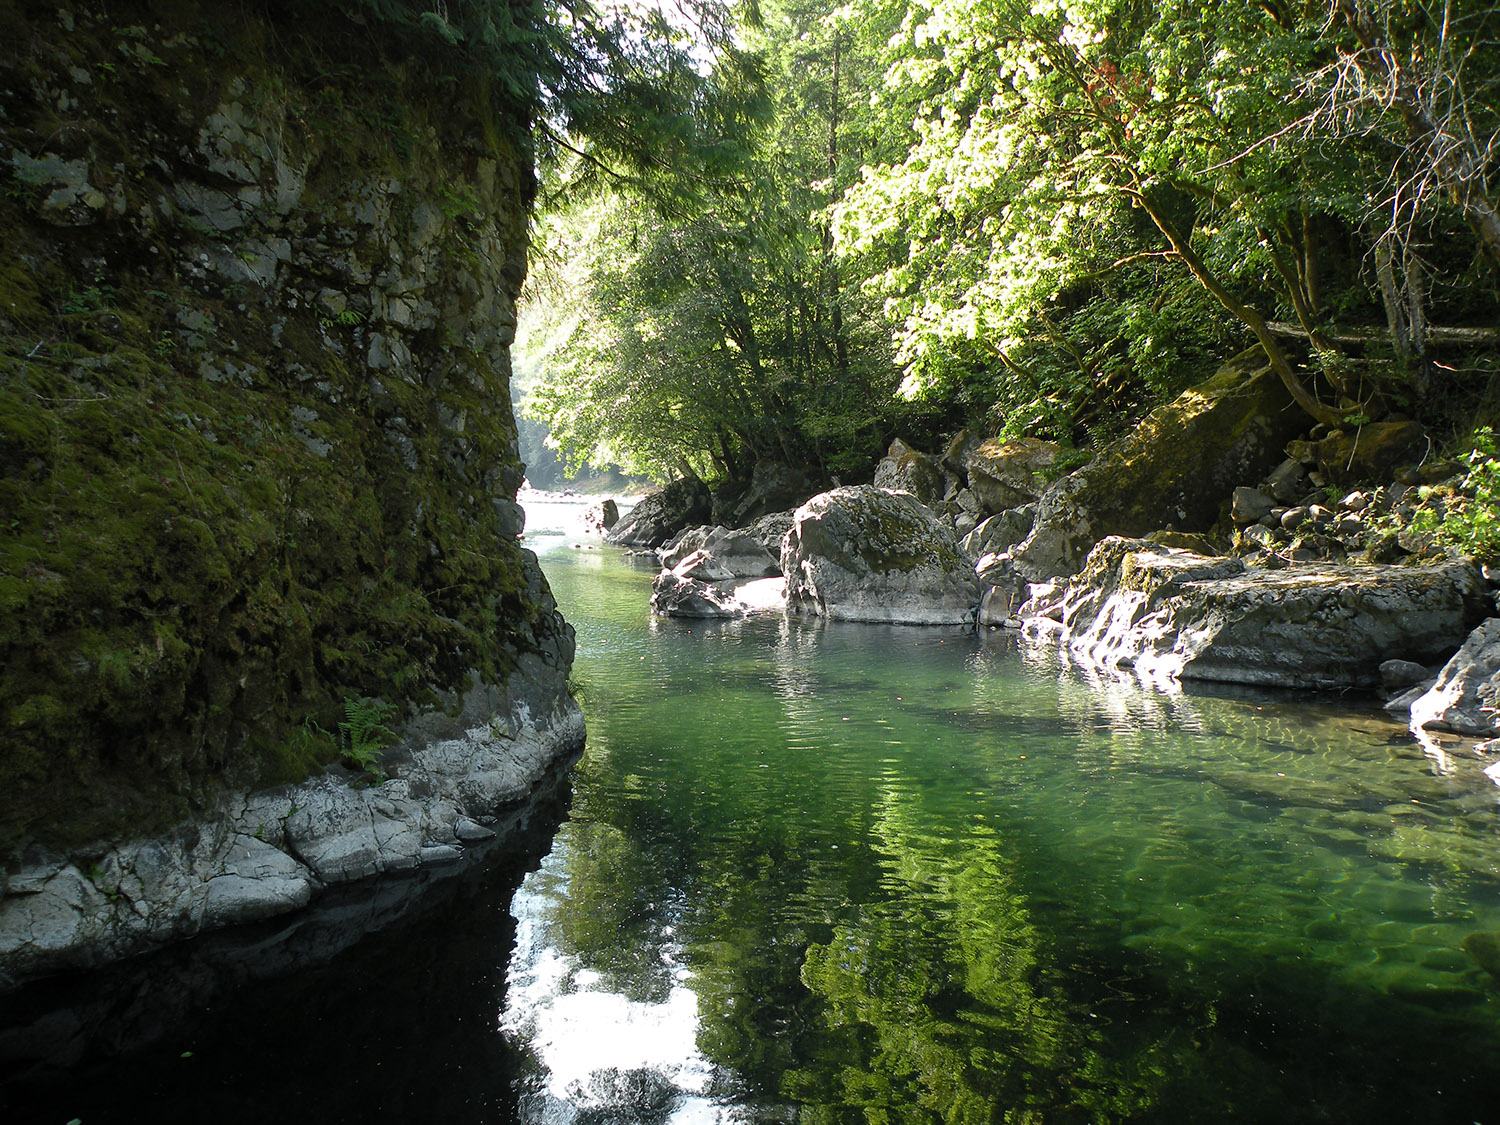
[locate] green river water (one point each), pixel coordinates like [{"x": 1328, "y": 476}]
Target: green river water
[
  {"x": 854, "y": 874},
  {"x": 864, "y": 873}
]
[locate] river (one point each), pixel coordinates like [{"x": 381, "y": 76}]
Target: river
[{"x": 851, "y": 873}]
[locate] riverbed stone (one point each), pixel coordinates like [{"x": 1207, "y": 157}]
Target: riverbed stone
[
  {"x": 1173, "y": 471},
  {"x": 864, "y": 553},
  {"x": 1175, "y": 615}
]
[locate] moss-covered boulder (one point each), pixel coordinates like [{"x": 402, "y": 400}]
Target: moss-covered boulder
[
  {"x": 1172, "y": 472},
  {"x": 257, "y": 456},
  {"x": 907, "y": 469}
]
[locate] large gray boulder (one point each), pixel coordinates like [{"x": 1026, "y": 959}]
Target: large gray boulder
[
  {"x": 871, "y": 554},
  {"x": 1171, "y": 614},
  {"x": 663, "y": 514},
  {"x": 1172, "y": 472},
  {"x": 1466, "y": 697}
]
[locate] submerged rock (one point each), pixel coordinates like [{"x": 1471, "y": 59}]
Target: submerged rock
[
  {"x": 870, "y": 554},
  {"x": 1175, "y": 615}
]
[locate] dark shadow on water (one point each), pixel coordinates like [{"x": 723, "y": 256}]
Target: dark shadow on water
[{"x": 379, "y": 1002}]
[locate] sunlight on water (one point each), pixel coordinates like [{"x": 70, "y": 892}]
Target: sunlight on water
[{"x": 852, "y": 872}]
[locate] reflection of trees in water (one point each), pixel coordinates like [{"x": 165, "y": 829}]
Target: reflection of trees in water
[{"x": 938, "y": 1002}]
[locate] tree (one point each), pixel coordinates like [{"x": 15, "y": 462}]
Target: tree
[
  {"x": 707, "y": 334},
  {"x": 1049, "y": 133}
]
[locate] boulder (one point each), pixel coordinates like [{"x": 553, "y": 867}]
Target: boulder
[
  {"x": 1171, "y": 472},
  {"x": 602, "y": 516},
  {"x": 729, "y": 554},
  {"x": 1250, "y": 505},
  {"x": 663, "y": 514},
  {"x": 1175, "y": 615},
  {"x": 675, "y": 595},
  {"x": 774, "y": 487},
  {"x": 771, "y": 531},
  {"x": 1008, "y": 474},
  {"x": 999, "y": 533},
  {"x": 683, "y": 544},
  {"x": 1466, "y": 696},
  {"x": 872, "y": 554},
  {"x": 1365, "y": 453},
  {"x": 905, "y": 469},
  {"x": 1287, "y": 482}
]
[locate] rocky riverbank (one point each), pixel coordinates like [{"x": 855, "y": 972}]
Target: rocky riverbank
[
  {"x": 1218, "y": 541},
  {"x": 258, "y": 472}
]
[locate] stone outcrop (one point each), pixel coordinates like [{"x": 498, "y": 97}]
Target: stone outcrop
[
  {"x": 257, "y": 460},
  {"x": 658, "y": 517},
  {"x": 864, "y": 553},
  {"x": 1172, "y": 472},
  {"x": 263, "y": 854},
  {"x": 1175, "y": 615}
]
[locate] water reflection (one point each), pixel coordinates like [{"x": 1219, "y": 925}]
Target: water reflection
[{"x": 839, "y": 872}]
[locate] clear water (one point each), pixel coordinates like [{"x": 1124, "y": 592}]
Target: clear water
[
  {"x": 857, "y": 873},
  {"x": 865, "y": 873}
]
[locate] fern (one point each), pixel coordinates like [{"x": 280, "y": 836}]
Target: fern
[{"x": 363, "y": 734}]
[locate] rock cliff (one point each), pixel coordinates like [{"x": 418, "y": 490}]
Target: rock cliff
[{"x": 257, "y": 457}]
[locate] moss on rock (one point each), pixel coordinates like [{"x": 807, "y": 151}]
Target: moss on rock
[{"x": 256, "y": 448}]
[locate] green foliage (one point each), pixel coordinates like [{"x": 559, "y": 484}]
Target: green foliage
[
  {"x": 616, "y": 93},
  {"x": 720, "y": 331},
  {"x": 1470, "y": 519},
  {"x": 363, "y": 734}
]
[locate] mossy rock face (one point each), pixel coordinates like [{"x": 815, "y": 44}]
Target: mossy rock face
[
  {"x": 256, "y": 449},
  {"x": 1171, "y": 473}
]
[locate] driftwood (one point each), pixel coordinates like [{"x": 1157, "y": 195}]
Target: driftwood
[{"x": 1435, "y": 336}]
